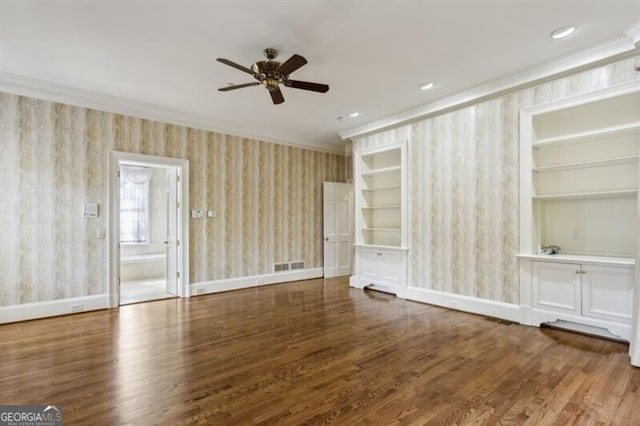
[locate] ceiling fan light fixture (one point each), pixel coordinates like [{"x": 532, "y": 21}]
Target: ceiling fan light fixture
[
  {"x": 562, "y": 32},
  {"x": 426, "y": 86}
]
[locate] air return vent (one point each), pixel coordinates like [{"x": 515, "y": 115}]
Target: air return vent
[
  {"x": 279, "y": 267},
  {"x": 297, "y": 265}
]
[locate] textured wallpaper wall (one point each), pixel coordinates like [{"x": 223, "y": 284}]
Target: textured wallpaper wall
[
  {"x": 463, "y": 193},
  {"x": 53, "y": 158}
]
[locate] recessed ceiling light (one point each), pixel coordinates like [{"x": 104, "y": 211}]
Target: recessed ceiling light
[
  {"x": 562, "y": 32},
  {"x": 354, "y": 114},
  {"x": 426, "y": 86}
]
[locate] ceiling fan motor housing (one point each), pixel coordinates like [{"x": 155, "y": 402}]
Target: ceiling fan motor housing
[{"x": 267, "y": 71}]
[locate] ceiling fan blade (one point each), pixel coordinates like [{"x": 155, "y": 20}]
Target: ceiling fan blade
[
  {"x": 238, "y": 86},
  {"x": 276, "y": 96},
  {"x": 234, "y": 65},
  {"x": 305, "y": 85},
  {"x": 291, "y": 64}
]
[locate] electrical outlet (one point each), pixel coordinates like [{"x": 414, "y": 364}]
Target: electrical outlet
[
  {"x": 76, "y": 307},
  {"x": 199, "y": 290},
  {"x": 453, "y": 302}
]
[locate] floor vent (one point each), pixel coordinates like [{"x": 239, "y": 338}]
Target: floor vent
[
  {"x": 297, "y": 265},
  {"x": 499, "y": 321},
  {"x": 279, "y": 267}
]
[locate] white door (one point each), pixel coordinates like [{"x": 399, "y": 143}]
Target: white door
[
  {"x": 172, "y": 231},
  {"x": 338, "y": 237}
]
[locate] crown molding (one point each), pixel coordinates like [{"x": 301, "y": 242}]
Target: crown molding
[
  {"x": 633, "y": 32},
  {"x": 54, "y": 92},
  {"x": 608, "y": 50}
]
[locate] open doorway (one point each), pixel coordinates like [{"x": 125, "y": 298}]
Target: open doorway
[{"x": 148, "y": 229}]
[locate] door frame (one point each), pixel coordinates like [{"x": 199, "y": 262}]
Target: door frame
[{"x": 113, "y": 212}]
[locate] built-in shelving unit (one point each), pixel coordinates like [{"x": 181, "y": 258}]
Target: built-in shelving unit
[
  {"x": 380, "y": 180},
  {"x": 381, "y": 209},
  {"x": 585, "y": 176},
  {"x": 579, "y": 190}
]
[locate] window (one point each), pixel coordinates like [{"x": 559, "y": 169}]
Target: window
[{"x": 134, "y": 204}]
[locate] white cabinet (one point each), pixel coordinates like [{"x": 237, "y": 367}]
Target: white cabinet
[
  {"x": 381, "y": 212},
  {"x": 579, "y": 161},
  {"x": 384, "y": 268},
  {"x": 594, "y": 295}
]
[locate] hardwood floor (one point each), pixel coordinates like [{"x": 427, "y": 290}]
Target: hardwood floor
[{"x": 312, "y": 352}]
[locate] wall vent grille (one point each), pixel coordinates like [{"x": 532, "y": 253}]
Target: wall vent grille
[
  {"x": 279, "y": 267},
  {"x": 297, "y": 265}
]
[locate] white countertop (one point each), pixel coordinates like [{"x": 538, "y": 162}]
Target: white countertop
[{"x": 578, "y": 258}]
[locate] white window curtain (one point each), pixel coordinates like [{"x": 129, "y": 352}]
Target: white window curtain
[{"x": 134, "y": 204}]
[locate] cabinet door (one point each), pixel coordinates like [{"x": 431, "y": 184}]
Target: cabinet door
[
  {"x": 369, "y": 261},
  {"x": 390, "y": 266},
  {"x": 607, "y": 292},
  {"x": 556, "y": 287}
]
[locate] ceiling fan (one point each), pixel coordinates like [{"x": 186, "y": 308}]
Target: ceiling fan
[{"x": 271, "y": 74}]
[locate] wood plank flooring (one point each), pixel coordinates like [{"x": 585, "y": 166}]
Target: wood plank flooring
[{"x": 312, "y": 352}]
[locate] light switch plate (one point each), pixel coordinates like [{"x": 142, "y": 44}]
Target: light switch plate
[
  {"x": 91, "y": 210},
  {"x": 197, "y": 214}
]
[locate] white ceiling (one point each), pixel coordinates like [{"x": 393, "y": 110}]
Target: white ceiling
[{"x": 372, "y": 53}]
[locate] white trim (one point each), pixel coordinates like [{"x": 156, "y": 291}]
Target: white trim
[
  {"x": 584, "y": 324},
  {"x": 585, "y": 98},
  {"x": 475, "y": 305},
  {"x": 113, "y": 259},
  {"x": 217, "y": 286},
  {"x": 51, "y": 308},
  {"x": 42, "y": 89},
  {"x": 609, "y": 50},
  {"x": 633, "y": 32}
]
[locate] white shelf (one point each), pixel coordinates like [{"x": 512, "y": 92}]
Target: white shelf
[
  {"x": 381, "y": 229},
  {"x": 381, "y": 207},
  {"x": 630, "y": 128},
  {"x": 382, "y": 246},
  {"x": 381, "y": 188},
  {"x": 579, "y": 195},
  {"x": 578, "y": 258},
  {"x": 586, "y": 164},
  {"x": 382, "y": 171}
]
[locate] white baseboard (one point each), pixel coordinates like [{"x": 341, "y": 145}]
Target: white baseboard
[
  {"x": 53, "y": 308},
  {"x": 218, "y": 286},
  {"x": 475, "y": 305}
]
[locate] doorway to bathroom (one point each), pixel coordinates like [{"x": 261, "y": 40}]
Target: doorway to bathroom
[{"x": 147, "y": 226}]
